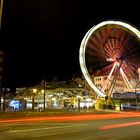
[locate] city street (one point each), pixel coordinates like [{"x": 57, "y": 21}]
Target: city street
[{"x": 100, "y": 127}]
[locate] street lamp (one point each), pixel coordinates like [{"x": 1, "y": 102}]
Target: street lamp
[
  {"x": 34, "y": 90},
  {"x": 78, "y": 98},
  {"x": 25, "y": 104},
  {"x": 1, "y": 10},
  {"x": 33, "y": 99},
  {"x": 43, "y": 92},
  {"x": 80, "y": 85}
]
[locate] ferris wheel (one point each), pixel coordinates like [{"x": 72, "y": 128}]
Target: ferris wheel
[{"x": 110, "y": 57}]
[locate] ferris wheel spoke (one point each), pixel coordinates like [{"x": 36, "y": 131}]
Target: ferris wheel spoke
[
  {"x": 100, "y": 39},
  {"x": 133, "y": 72},
  {"x": 92, "y": 42},
  {"x": 92, "y": 49},
  {"x": 110, "y": 44},
  {"x": 107, "y": 43},
  {"x": 113, "y": 43},
  {"x": 104, "y": 34},
  {"x": 108, "y": 48},
  {"x": 114, "y": 38},
  {"x": 117, "y": 35},
  {"x": 108, "y": 53},
  {"x": 131, "y": 54}
]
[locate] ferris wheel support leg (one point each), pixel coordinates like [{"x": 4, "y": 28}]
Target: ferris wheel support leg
[
  {"x": 125, "y": 82},
  {"x": 108, "y": 78},
  {"x": 115, "y": 78},
  {"x": 125, "y": 79}
]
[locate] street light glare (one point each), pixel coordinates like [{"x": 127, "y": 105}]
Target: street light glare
[
  {"x": 42, "y": 91},
  {"x": 34, "y": 90}
]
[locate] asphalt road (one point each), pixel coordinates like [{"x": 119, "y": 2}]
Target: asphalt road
[{"x": 95, "y": 129}]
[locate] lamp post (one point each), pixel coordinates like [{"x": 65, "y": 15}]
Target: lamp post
[
  {"x": 43, "y": 92},
  {"x": 78, "y": 98},
  {"x": 38, "y": 101},
  {"x": 1, "y": 9},
  {"x": 33, "y": 99},
  {"x": 25, "y": 104}
]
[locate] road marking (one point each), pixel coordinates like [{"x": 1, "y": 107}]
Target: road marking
[
  {"x": 107, "y": 127},
  {"x": 48, "y": 128}
]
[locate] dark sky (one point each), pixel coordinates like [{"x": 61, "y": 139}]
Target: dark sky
[{"x": 41, "y": 38}]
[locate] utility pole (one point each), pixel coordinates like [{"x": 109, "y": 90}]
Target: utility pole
[
  {"x": 0, "y": 97},
  {"x": 1, "y": 10},
  {"x": 44, "y": 96},
  {"x": 1, "y": 77},
  {"x": 1, "y": 67}
]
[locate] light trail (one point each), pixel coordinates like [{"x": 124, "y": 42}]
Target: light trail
[
  {"x": 44, "y": 128},
  {"x": 107, "y": 127},
  {"x": 71, "y": 118}
]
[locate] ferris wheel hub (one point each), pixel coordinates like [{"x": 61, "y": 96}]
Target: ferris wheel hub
[{"x": 110, "y": 59}]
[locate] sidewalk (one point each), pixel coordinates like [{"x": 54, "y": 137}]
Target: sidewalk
[{"x": 8, "y": 115}]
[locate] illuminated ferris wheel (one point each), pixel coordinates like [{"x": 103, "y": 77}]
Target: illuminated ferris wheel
[{"x": 110, "y": 57}]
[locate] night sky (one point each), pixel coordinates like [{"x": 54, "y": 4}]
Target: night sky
[{"x": 41, "y": 38}]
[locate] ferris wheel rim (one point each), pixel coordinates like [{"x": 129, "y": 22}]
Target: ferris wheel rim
[{"x": 83, "y": 48}]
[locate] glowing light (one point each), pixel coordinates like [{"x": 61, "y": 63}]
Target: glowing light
[
  {"x": 64, "y": 98},
  {"x": 42, "y": 91},
  {"x": 78, "y": 96},
  {"x": 82, "y": 104},
  {"x": 107, "y": 127},
  {"x": 80, "y": 85},
  {"x": 110, "y": 59},
  {"x": 14, "y": 104},
  {"x": 88, "y": 99},
  {"x": 34, "y": 90},
  {"x": 54, "y": 99}
]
